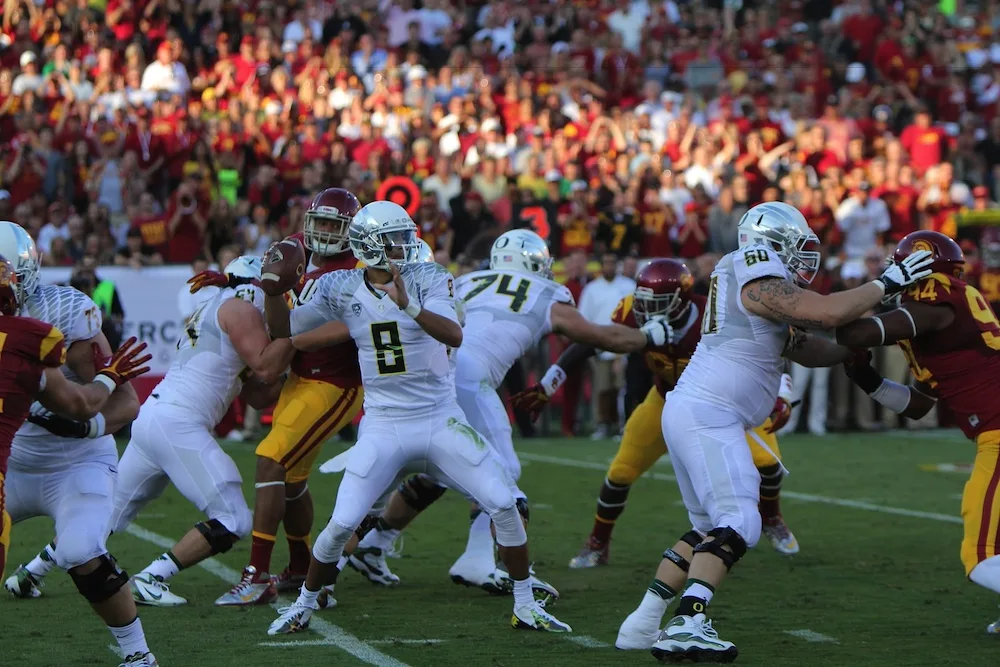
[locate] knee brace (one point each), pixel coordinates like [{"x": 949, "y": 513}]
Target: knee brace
[
  {"x": 724, "y": 537},
  {"x": 692, "y": 538},
  {"x": 420, "y": 492},
  {"x": 509, "y": 527},
  {"x": 219, "y": 538},
  {"x": 329, "y": 546},
  {"x": 101, "y": 584},
  {"x": 522, "y": 508}
]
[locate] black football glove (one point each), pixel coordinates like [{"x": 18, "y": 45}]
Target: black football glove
[
  {"x": 859, "y": 369},
  {"x": 57, "y": 425}
]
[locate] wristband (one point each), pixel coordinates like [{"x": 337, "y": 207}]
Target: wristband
[
  {"x": 96, "y": 426},
  {"x": 102, "y": 378},
  {"x": 892, "y": 395},
  {"x": 785, "y": 388},
  {"x": 412, "y": 309},
  {"x": 554, "y": 378}
]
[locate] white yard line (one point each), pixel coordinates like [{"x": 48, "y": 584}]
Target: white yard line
[
  {"x": 806, "y": 497},
  {"x": 811, "y": 636},
  {"x": 331, "y": 634},
  {"x": 586, "y": 641}
]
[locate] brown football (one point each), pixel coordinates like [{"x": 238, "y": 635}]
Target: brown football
[{"x": 284, "y": 264}]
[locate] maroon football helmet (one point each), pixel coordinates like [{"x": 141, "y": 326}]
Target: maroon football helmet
[
  {"x": 327, "y": 220},
  {"x": 662, "y": 287},
  {"x": 948, "y": 256},
  {"x": 8, "y": 288}
]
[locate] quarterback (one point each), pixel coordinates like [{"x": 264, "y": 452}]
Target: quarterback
[
  {"x": 730, "y": 386},
  {"x": 403, "y": 320},
  {"x": 663, "y": 289},
  {"x": 509, "y": 308},
  {"x": 951, "y": 338}
]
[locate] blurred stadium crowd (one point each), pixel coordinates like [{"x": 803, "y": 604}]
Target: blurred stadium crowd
[{"x": 141, "y": 132}]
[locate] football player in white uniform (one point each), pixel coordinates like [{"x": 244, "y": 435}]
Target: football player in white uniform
[
  {"x": 403, "y": 320},
  {"x": 756, "y": 312},
  {"x": 509, "y": 308},
  {"x": 224, "y": 352},
  {"x": 57, "y": 475}
]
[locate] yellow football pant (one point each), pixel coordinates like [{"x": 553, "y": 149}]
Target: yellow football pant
[
  {"x": 642, "y": 443},
  {"x": 981, "y": 503},
  {"x": 307, "y": 413}
]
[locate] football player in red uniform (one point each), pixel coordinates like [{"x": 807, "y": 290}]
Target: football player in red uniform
[
  {"x": 951, "y": 338},
  {"x": 321, "y": 396},
  {"x": 31, "y": 353},
  {"x": 663, "y": 287}
]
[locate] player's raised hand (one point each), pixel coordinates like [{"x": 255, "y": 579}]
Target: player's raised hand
[
  {"x": 909, "y": 270},
  {"x": 123, "y": 364},
  {"x": 532, "y": 401},
  {"x": 215, "y": 279},
  {"x": 396, "y": 288},
  {"x": 780, "y": 413}
]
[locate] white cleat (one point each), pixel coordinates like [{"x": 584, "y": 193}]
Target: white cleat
[
  {"x": 23, "y": 584},
  {"x": 692, "y": 638},
  {"x": 478, "y": 572},
  {"x": 150, "y": 590},
  {"x": 781, "y": 537},
  {"x": 638, "y": 632},
  {"x": 534, "y": 617},
  {"x": 292, "y": 619},
  {"x": 542, "y": 590},
  {"x": 140, "y": 660},
  {"x": 993, "y": 628},
  {"x": 370, "y": 562}
]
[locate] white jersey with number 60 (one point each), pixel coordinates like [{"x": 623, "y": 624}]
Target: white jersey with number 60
[
  {"x": 402, "y": 367},
  {"x": 207, "y": 373},
  {"x": 737, "y": 364},
  {"x": 506, "y": 314}
]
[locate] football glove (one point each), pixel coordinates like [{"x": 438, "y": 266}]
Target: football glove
[
  {"x": 658, "y": 331},
  {"x": 532, "y": 401},
  {"x": 780, "y": 413},
  {"x": 859, "y": 369},
  {"x": 123, "y": 365},
  {"x": 899, "y": 275},
  {"x": 216, "y": 279}
]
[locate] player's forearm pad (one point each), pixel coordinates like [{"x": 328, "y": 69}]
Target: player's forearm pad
[
  {"x": 554, "y": 378},
  {"x": 892, "y": 395}
]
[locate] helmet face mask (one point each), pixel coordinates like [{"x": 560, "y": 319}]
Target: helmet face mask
[
  {"x": 646, "y": 305},
  {"x": 326, "y": 223},
  {"x": 663, "y": 289},
  {"x": 10, "y": 292}
]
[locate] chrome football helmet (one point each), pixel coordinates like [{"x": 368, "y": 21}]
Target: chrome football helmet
[
  {"x": 245, "y": 266},
  {"x": 523, "y": 251},
  {"x": 783, "y": 229},
  {"x": 424, "y": 253},
  {"x": 16, "y": 245},
  {"x": 383, "y": 232}
]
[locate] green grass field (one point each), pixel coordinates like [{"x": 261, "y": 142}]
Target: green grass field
[{"x": 878, "y": 581}]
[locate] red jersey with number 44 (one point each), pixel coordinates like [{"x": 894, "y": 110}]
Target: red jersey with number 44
[
  {"x": 667, "y": 362},
  {"x": 27, "y": 348},
  {"x": 961, "y": 362},
  {"x": 337, "y": 364}
]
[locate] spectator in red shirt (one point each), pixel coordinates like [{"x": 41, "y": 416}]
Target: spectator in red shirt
[
  {"x": 186, "y": 224},
  {"x": 924, "y": 142}
]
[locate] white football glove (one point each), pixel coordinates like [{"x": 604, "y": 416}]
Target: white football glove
[
  {"x": 899, "y": 275},
  {"x": 658, "y": 331}
]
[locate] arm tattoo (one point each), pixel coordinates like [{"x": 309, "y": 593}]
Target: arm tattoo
[{"x": 780, "y": 297}]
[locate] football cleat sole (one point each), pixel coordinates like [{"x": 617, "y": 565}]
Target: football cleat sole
[{"x": 697, "y": 655}]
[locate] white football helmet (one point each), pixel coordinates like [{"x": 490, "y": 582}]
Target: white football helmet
[
  {"x": 783, "y": 229},
  {"x": 245, "y": 266},
  {"x": 424, "y": 253},
  {"x": 381, "y": 229},
  {"x": 523, "y": 251},
  {"x": 16, "y": 245}
]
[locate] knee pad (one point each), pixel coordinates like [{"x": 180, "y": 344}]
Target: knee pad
[
  {"x": 522, "y": 508},
  {"x": 420, "y": 492},
  {"x": 692, "y": 538},
  {"x": 724, "y": 537},
  {"x": 101, "y": 584},
  {"x": 329, "y": 546},
  {"x": 510, "y": 528},
  {"x": 219, "y": 538}
]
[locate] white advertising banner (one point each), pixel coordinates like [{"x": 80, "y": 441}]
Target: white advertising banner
[{"x": 151, "y": 298}]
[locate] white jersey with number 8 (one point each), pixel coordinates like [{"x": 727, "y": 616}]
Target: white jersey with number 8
[
  {"x": 402, "y": 367},
  {"x": 737, "y": 364}
]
